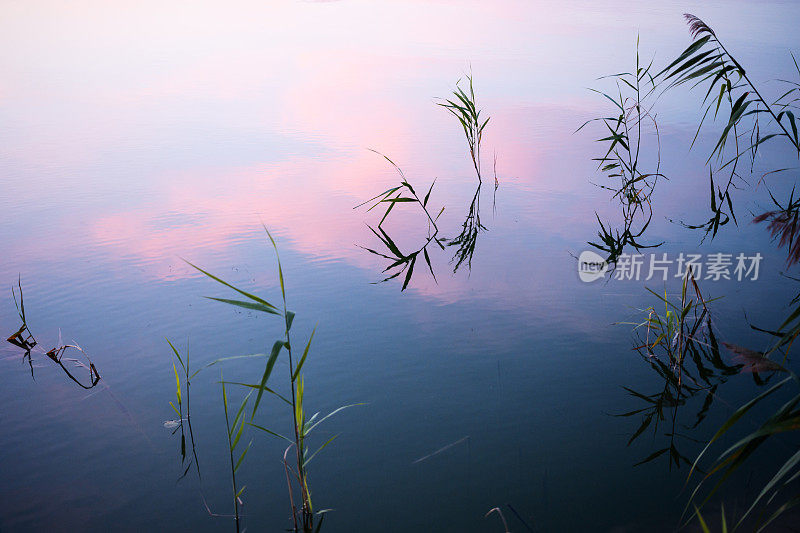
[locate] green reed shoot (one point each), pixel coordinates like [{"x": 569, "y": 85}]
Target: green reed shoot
[
  {"x": 704, "y": 525},
  {"x": 671, "y": 331},
  {"x": 235, "y": 429},
  {"x": 303, "y": 514},
  {"x": 463, "y": 106},
  {"x": 179, "y": 401},
  {"x": 181, "y": 393}
]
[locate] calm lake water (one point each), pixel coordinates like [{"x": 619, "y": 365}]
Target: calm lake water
[{"x": 134, "y": 134}]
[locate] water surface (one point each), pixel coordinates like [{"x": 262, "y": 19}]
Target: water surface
[{"x": 136, "y": 134}]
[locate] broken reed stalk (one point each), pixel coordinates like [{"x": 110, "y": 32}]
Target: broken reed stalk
[
  {"x": 400, "y": 194},
  {"x": 502, "y": 518},
  {"x": 23, "y": 338},
  {"x": 401, "y": 262}
]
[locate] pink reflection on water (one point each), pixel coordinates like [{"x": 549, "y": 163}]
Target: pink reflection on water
[{"x": 178, "y": 137}]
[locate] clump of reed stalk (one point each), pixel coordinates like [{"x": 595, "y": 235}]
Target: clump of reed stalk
[
  {"x": 678, "y": 341},
  {"x": 304, "y": 517},
  {"x": 786, "y": 419},
  {"x": 731, "y": 94},
  {"x": 730, "y": 91},
  {"x": 631, "y": 185},
  {"x": 707, "y": 61},
  {"x": 463, "y": 106}
]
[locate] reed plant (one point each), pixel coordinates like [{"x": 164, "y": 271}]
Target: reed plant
[
  {"x": 462, "y": 105},
  {"x": 677, "y": 340},
  {"x": 399, "y": 194},
  {"x": 183, "y": 397},
  {"x": 234, "y": 435},
  {"x": 750, "y": 122},
  {"x": 402, "y": 262},
  {"x": 623, "y": 163},
  {"x": 298, "y": 454},
  {"x": 708, "y": 62}
]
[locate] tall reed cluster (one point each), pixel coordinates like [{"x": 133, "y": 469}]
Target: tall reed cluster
[{"x": 298, "y": 453}]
